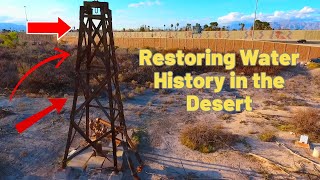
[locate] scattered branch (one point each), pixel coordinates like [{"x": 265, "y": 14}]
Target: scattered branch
[
  {"x": 296, "y": 154},
  {"x": 283, "y": 168}
]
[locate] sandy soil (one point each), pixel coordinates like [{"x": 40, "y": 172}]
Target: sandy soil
[{"x": 37, "y": 153}]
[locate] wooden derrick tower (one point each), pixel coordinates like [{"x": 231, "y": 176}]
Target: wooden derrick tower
[{"x": 97, "y": 80}]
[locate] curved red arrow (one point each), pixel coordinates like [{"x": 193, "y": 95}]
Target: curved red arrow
[
  {"x": 60, "y": 28},
  {"x": 63, "y": 55},
  {"x": 57, "y": 104}
]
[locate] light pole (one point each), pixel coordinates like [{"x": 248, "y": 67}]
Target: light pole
[
  {"x": 255, "y": 18},
  {"x": 25, "y": 11}
]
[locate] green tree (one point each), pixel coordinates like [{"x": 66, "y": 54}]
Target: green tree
[
  {"x": 242, "y": 25},
  {"x": 142, "y": 29},
  {"x": 171, "y": 26},
  {"x": 262, "y": 25},
  {"x": 5, "y": 30},
  {"x": 178, "y": 26},
  {"x": 214, "y": 26},
  {"x": 188, "y": 28},
  {"x": 197, "y": 28},
  {"x": 206, "y": 27},
  {"x": 9, "y": 39}
]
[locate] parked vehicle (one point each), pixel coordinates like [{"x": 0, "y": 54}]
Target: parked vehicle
[
  {"x": 315, "y": 60},
  {"x": 302, "y": 41}
]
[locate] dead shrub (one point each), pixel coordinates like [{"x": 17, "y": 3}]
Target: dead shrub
[
  {"x": 249, "y": 70},
  {"x": 269, "y": 103},
  {"x": 14, "y": 63},
  {"x": 307, "y": 121},
  {"x": 8, "y": 73},
  {"x": 206, "y": 139},
  {"x": 284, "y": 99},
  {"x": 225, "y": 116},
  {"x": 316, "y": 80},
  {"x": 50, "y": 79}
]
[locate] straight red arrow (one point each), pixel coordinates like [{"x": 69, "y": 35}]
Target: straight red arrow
[
  {"x": 60, "y": 28},
  {"x": 57, "y": 104},
  {"x": 63, "y": 55}
]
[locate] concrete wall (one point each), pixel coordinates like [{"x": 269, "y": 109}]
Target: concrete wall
[
  {"x": 276, "y": 35},
  {"x": 258, "y": 35},
  {"x": 216, "y": 44},
  {"x": 219, "y": 45}
]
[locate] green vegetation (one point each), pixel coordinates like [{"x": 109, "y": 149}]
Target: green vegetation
[
  {"x": 262, "y": 25},
  {"x": 139, "y": 90},
  {"x": 242, "y": 25},
  {"x": 9, "y": 40},
  {"x": 212, "y": 26},
  {"x": 313, "y": 65},
  {"x": 138, "y": 135},
  {"x": 285, "y": 127},
  {"x": 267, "y": 136}
]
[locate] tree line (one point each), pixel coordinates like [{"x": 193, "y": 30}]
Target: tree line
[{"x": 212, "y": 26}]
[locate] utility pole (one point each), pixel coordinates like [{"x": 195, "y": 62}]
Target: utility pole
[
  {"x": 25, "y": 11},
  {"x": 255, "y": 18}
]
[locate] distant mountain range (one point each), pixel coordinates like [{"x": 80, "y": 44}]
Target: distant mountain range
[
  {"x": 293, "y": 25},
  {"x": 12, "y": 27}
]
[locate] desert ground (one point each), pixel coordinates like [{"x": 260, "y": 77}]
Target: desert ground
[{"x": 252, "y": 145}]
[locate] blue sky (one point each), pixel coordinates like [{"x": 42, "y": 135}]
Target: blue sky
[{"x": 156, "y": 13}]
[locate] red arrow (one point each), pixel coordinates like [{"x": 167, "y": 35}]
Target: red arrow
[
  {"x": 57, "y": 104},
  {"x": 63, "y": 55},
  {"x": 60, "y": 28}
]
